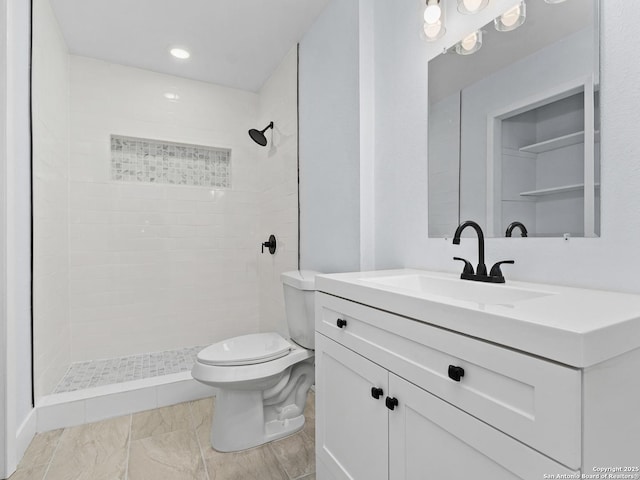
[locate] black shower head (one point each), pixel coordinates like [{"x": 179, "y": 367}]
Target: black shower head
[{"x": 258, "y": 135}]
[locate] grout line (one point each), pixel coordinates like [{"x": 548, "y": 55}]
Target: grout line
[
  {"x": 195, "y": 432},
  {"x": 126, "y": 465},
  {"x": 55, "y": 450}
]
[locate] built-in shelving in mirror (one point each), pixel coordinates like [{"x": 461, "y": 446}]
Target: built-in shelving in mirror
[{"x": 514, "y": 129}]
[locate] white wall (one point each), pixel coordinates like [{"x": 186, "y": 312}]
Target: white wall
[
  {"x": 15, "y": 317},
  {"x": 278, "y": 203},
  {"x": 153, "y": 266},
  {"x": 330, "y": 140},
  {"x": 609, "y": 262},
  {"x": 52, "y": 339}
]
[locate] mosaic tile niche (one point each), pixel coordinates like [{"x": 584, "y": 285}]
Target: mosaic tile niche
[{"x": 153, "y": 161}]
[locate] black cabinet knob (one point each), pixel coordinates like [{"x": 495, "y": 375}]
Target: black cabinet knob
[
  {"x": 341, "y": 323},
  {"x": 456, "y": 373},
  {"x": 391, "y": 403},
  {"x": 376, "y": 392}
]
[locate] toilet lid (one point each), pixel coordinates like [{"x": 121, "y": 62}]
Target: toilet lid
[{"x": 245, "y": 350}]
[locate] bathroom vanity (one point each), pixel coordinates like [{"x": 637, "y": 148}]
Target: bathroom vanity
[{"x": 421, "y": 375}]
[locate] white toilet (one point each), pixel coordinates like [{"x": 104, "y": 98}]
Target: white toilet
[{"x": 263, "y": 379}]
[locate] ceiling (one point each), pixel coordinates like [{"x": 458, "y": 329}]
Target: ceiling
[{"x": 236, "y": 43}]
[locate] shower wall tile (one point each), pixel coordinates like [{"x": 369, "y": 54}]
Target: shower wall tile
[{"x": 155, "y": 266}]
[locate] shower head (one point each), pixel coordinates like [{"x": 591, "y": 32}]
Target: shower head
[{"x": 258, "y": 135}]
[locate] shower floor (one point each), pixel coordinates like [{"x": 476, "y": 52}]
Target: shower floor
[{"x": 96, "y": 373}]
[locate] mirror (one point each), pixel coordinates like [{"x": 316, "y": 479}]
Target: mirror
[{"x": 514, "y": 127}]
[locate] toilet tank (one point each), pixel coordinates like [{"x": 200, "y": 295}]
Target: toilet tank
[{"x": 299, "y": 289}]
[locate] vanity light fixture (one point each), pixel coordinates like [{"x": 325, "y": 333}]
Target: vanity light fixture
[
  {"x": 469, "y": 44},
  {"x": 469, "y": 7},
  {"x": 555, "y": 1},
  {"x": 512, "y": 18},
  {"x": 433, "y": 21},
  {"x": 180, "y": 53}
]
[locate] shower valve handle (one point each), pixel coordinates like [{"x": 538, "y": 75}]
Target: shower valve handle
[{"x": 270, "y": 244}]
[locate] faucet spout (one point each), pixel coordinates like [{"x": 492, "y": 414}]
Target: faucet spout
[
  {"x": 482, "y": 268},
  {"x": 513, "y": 225}
]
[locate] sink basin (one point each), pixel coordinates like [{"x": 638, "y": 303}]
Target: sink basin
[{"x": 456, "y": 289}]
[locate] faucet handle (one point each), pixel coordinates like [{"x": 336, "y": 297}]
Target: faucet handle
[
  {"x": 468, "y": 268},
  {"x": 496, "y": 271}
]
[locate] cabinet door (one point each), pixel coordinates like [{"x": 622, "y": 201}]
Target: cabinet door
[
  {"x": 431, "y": 439},
  {"x": 352, "y": 429}
]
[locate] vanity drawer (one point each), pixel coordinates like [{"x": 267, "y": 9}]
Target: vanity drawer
[{"x": 534, "y": 400}]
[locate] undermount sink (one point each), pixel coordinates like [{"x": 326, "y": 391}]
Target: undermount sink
[{"x": 455, "y": 289}]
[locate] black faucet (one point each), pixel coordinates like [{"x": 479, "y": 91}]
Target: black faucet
[
  {"x": 480, "y": 275},
  {"x": 513, "y": 225}
]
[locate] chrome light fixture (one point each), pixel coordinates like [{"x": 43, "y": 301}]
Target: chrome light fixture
[
  {"x": 512, "y": 18},
  {"x": 469, "y": 44},
  {"x": 433, "y": 21},
  {"x": 554, "y": 1},
  {"x": 469, "y": 7}
]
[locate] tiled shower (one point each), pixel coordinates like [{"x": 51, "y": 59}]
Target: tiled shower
[{"x": 150, "y": 204}]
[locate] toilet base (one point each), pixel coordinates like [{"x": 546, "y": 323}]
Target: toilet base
[{"x": 245, "y": 419}]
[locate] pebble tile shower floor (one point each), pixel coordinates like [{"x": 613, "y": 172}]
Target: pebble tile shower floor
[
  {"x": 96, "y": 373},
  {"x": 170, "y": 443}
]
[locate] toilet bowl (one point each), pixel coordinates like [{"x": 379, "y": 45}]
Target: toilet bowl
[{"x": 263, "y": 379}]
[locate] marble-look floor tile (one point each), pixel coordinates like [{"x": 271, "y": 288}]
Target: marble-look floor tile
[
  {"x": 310, "y": 416},
  {"x": 41, "y": 449},
  {"x": 202, "y": 415},
  {"x": 29, "y": 473},
  {"x": 161, "y": 420},
  {"x": 256, "y": 464},
  {"x": 296, "y": 454},
  {"x": 310, "y": 407},
  {"x": 97, "y": 451},
  {"x": 308, "y": 477},
  {"x": 168, "y": 456}
]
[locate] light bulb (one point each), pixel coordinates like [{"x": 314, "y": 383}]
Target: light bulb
[
  {"x": 469, "y": 7},
  {"x": 472, "y": 5},
  {"x": 433, "y": 12},
  {"x": 510, "y": 17},
  {"x": 433, "y": 31},
  {"x": 469, "y": 42}
]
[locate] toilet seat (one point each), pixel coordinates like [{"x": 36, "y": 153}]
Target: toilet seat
[
  {"x": 218, "y": 375},
  {"x": 245, "y": 350}
]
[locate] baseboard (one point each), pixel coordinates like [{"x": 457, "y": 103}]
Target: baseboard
[{"x": 25, "y": 434}]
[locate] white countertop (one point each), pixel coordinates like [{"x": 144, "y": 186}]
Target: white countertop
[{"x": 573, "y": 326}]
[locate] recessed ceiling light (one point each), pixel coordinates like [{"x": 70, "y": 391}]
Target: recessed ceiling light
[
  {"x": 171, "y": 96},
  {"x": 180, "y": 53}
]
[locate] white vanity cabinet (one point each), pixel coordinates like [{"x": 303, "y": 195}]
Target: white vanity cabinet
[{"x": 511, "y": 416}]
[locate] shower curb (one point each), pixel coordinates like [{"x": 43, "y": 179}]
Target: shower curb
[{"x": 90, "y": 405}]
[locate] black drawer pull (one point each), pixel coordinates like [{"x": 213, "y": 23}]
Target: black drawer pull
[
  {"x": 341, "y": 323},
  {"x": 456, "y": 373},
  {"x": 391, "y": 403},
  {"x": 376, "y": 392}
]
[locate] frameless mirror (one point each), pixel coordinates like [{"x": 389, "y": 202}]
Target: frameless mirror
[{"x": 514, "y": 127}]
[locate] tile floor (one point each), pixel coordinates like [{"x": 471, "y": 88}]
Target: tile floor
[
  {"x": 170, "y": 443},
  {"x": 95, "y": 373}
]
